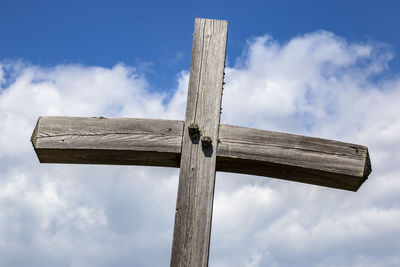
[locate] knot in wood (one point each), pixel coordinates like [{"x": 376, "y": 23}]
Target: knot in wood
[{"x": 206, "y": 141}]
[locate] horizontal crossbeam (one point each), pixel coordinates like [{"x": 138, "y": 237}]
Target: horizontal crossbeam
[{"x": 152, "y": 142}]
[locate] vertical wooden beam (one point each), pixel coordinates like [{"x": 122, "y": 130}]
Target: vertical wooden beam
[{"x": 197, "y": 173}]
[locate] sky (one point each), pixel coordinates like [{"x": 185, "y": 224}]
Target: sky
[{"x": 330, "y": 70}]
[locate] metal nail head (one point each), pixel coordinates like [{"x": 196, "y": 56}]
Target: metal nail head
[
  {"x": 193, "y": 129},
  {"x": 206, "y": 141}
]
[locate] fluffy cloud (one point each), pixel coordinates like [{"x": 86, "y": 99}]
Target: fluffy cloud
[
  {"x": 320, "y": 85},
  {"x": 57, "y": 214},
  {"x": 316, "y": 84}
]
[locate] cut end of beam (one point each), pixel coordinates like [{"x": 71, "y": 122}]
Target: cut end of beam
[
  {"x": 216, "y": 20},
  {"x": 367, "y": 169},
  {"x": 34, "y": 134}
]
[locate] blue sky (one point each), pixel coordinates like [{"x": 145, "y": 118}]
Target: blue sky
[
  {"x": 155, "y": 34},
  {"x": 322, "y": 69}
]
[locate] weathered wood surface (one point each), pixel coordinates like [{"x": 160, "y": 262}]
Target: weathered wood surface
[
  {"x": 108, "y": 141},
  {"x": 238, "y": 149},
  {"x": 192, "y": 228},
  {"x": 242, "y": 150},
  {"x": 292, "y": 157}
]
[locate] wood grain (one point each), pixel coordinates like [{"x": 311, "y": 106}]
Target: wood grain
[
  {"x": 292, "y": 157},
  {"x": 193, "y": 215},
  {"x": 108, "y": 141},
  {"x": 241, "y": 150}
]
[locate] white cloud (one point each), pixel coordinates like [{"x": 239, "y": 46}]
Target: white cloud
[
  {"x": 320, "y": 85},
  {"x": 77, "y": 214},
  {"x": 317, "y": 84}
]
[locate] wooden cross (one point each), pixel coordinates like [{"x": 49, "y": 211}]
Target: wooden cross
[{"x": 200, "y": 146}]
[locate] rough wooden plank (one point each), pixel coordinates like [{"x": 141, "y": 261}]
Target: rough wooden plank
[
  {"x": 292, "y": 157},
  {"x": 242, "y": 150},
  {"x": 197, "y": 169},
  {"x": 108, "y": 141}
]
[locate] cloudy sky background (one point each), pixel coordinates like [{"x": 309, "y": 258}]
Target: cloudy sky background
[{"x": 318, "y": 83}]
